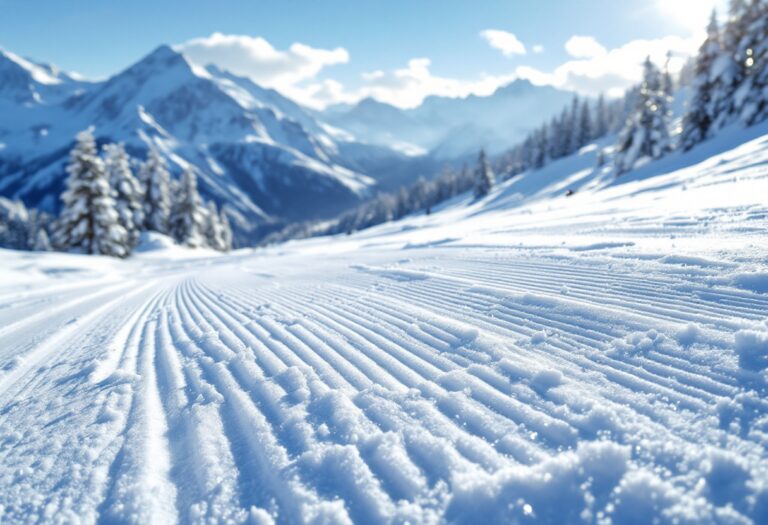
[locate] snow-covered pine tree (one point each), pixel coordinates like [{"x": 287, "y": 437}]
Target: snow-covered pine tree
[
  {"x": 667, "y": 83},
  {"x": 214, "y": 231},
  {"x": 600, "y": 126},
  {"x": 729, "y": 71},
  {"x": 42, "y": 243},
  {"x": 89, "y": 221},
  {"x": 37, "y": 235},
  {"x": 584, "y": 128},
  {"x": 573, "y": 127},
  {"x": 752, "y": 96},
  {"x": 553, "y": 138},
  {"x": 646, "y": 132},
  {"x": 157, "y": 198},
  {"x": 539, "y": 148},
  {"x": 15, "y": 225},
  {"x": 403, "y": 204},
  {"x": 128, "y": 191},
  {"x": 226, "y": 231},
  {"x": 187, "y": 216},
  {"x": 483, "y": 176},
  {"x": 700, "y": 113}
]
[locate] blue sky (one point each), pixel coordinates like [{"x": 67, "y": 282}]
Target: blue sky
[{"x": 395, "y": 50}]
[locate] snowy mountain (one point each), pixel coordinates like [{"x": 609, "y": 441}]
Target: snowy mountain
[
  {"x": 454, "y": 127},
  {"x": 268, "y": 159},
  {"x": 262, "y": 155}
]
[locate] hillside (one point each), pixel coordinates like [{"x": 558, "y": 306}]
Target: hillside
[{"x": 526, "y": 357}]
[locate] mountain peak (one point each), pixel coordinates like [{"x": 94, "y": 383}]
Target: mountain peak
[
  {"x": 163, "y": 52},
  {"x": 164, "y": 56},
  {"x": 163, "y": 62},
  {"x": 516, "y": 87}
]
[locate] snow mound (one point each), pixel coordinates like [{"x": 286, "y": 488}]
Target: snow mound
[
  {"x": 752, "y": 347},
  {"x": 158, "y": 245}
]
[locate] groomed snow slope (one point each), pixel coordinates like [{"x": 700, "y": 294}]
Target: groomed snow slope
[{"x": 599, "y": 358}]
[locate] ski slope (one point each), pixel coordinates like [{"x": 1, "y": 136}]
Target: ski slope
[{"x": 529, "y": 358}]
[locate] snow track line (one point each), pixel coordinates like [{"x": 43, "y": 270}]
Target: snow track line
[
  {"x": 307, "y": 354},
  {"x": 125, "y": 338},
  {"x": 141, "y": 489},
  {"x": 491, "y": 327},
  {"x": 530, "y": 327},
  {"x": 49, "y": 345},
  {"x": 270, "y": 471},
  {"x": 630, "y": 289},
  {"x": 495, "y": 410},
  {"x": 386, "y": 475},
  {"x": 207, "y": 487},
  {"x": 42, "y": 314},
  {"x": 510, "y": 408}
]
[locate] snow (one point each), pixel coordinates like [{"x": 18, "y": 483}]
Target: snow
[
  {"x": 38, "y": 73},
  {"x": 523, "y": 358}
]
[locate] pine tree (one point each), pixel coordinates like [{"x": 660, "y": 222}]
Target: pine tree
[
  {"x": 600, "y": 128},
  {"x": 483, "y": 176},
  {"x": 646, "y": 133},
  {"x": 667, "y": 84},
  {"x": 157, "y": 198},
  {"x": 729, "y": 70},
  {"x": 187, "y": 216},
  {"x": 226, "y": 231},
  {"x": 129, "y": 193},
  {"x": 700, "y": 114},
  {"x": 89, "y": 221},
  {"x": 403, "y": 205},
  {"x": 752, "y": 97},
  {"x": 42, "y": 243},
  {"x": 573, "y": 127},
  {"x": 537, "y": 146},
  {"x": 15, "y": 225},
  {"x": 584, "y": 133},
  {"x": 553, "y": 139},
  {"x": 214, "y": 231}
]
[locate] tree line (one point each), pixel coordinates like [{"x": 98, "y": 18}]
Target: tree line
[
  {"x": 105, "y": 207},
  {"x": 579, "y": 123},
  {"x": 729, "y": 85}
]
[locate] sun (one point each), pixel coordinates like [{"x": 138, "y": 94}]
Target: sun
[{"x": 690, "y": 14}]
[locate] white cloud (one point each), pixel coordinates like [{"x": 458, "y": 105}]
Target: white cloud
[
  {"x": 294, "y": 73},
  {"x": 612, "y": 71},
  {"x": 257, "y": 59},
  {"x": 407, "y": 87},
  {"x": 537, "y": 49},
  {"x": 584, "y": 47},
  {"x": 504, "y": 41}
]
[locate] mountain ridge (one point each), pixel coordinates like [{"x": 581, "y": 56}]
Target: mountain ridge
[
  {"x": 453, "y": 127},
  {"x": 253, "y": 150}
]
